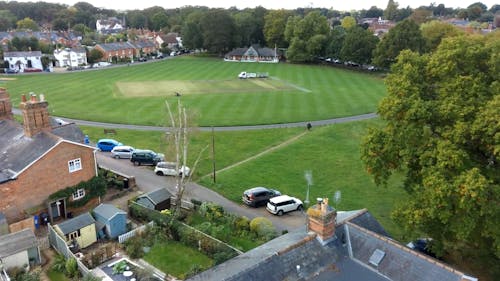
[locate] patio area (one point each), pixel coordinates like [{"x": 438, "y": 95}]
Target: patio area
[{"x": 118, "y": 269}]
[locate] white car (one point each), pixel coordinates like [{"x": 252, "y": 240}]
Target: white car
[
  {"x": 122, "y": 151},
  {"x": 168, "y": 169},
  {"x": 282, "y": 204}
]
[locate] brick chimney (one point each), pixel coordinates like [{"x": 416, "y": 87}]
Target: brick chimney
[
  {"x": 5, "y": 105},
  {"x": 321, "y": 220},
  {"x": 35, "y": 115}
]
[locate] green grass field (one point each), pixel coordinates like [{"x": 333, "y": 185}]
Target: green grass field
[
  {"x": 331, "y": 153},
  {"x": 209, "y": 88}
]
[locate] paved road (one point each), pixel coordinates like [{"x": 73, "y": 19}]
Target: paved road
[
  {"x": 228, "y": 128},
  {"x": 148, "y": 181}
]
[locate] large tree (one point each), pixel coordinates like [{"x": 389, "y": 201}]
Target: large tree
[
  {"x": 218, "y": 28},
  {"x": 442, "y": 133},
  {"x": 405, "y": 35},
  {"x": 192, "y": 38},
  {"x": 308, "y": 37},
  {"x": 358, "y": 45},
  {"x": 274, "y": 27},
  {"x": 435, "y": 31}
]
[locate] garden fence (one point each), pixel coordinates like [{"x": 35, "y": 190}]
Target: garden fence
[
  {"x": 124, "y": 237},
  {"x": 59, "y": 244}
]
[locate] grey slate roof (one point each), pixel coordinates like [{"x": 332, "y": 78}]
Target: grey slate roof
[
  {"x": 69, "y": 132},
  {"x": 76, "y": 223},
  {"x": 109, "y": 47},
  {"x": 17, "y": 150},
  {"x": 264, "y": 52},
  {"x": 16, "y": 242},
  {"x": 278, "y": 259},
  {"x": 143, "y": 44},
  {"x": 157, "y": 196},
  {"x": 22, "y": 54},
  {"x": 108, "y": 211},
  {"x": 399, "y": 262},
  {"x": 367, "y": 221}
]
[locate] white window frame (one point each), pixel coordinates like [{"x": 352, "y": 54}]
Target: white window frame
[
  {"x": 75, "y": 165},
  {"x": 79, "y": 194}
]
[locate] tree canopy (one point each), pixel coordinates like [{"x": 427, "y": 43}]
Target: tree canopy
[
  {"x": 405, "y": 35},
  {"x": 442, "y": 133}
]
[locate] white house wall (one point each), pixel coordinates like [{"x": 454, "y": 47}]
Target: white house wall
[
  {"x": 65, "y": 58},
  {"x": 20, "y": 63}
]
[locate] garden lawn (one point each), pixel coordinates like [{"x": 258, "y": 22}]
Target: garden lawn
[
  {"x": 136, "y": 94},
  {"x": 164, "y": 257},
  {"x": 332, "y": 154}
]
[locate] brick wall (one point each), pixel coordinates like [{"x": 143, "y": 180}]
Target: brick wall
[
  {"x": 5, "y": 105},
  {"x": 46, "y": 176}
]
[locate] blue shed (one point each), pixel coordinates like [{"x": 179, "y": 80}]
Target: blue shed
[{"x": 111, "y": 220}]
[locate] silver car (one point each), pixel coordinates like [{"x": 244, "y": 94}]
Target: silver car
[{"x": 122, "y": 152}]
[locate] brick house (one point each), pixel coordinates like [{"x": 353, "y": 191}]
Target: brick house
[
  {"x": 119, "y": 50},
  {"x": 144, "y": 47},
  {"x": 39, "y": 158}
]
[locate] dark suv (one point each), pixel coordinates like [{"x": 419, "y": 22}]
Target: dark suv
[
  {"x": 258, "y": 196},
  {"x": 146, "y": 157}
]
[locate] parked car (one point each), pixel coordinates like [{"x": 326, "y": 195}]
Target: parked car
[
  {"x": 146, "y": 157},
  {"x": 11, "y": 70},
  {"x": 168, "y": 169},
  {"x": 282, "y": 204},
  {"x": 122, "y": 152},
  {"x": 107, "y": 144},
  {"x": 258, "y": 196}
]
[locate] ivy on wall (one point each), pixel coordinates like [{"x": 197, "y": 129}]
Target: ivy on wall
[{"x": 94, "y": 187}]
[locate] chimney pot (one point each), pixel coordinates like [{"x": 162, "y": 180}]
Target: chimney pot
[
  {"x": 42, "y": 97},
  {"x": 33, "y": 98},
  {"x": 23, "y": 98}
]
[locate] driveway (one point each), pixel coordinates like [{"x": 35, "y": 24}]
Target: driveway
[{"x": 147, "y": 181}]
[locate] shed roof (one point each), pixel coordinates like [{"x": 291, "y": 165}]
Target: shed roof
[
  {"x": 16, "y": 242},
  {"x": 108, "y": 211},
  {"x": 157, "y": 196},
  {"x": 76, "y": 223}
]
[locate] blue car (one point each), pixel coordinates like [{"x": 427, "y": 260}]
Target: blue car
[{"x": 107, "y": 144}]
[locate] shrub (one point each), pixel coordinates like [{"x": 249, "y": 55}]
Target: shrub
[
  {"x": 211, "y": 211},
  {"x": 242, "y": 224},
  {"x": 133, "y": 247},
  {"x": 72, "y": 268},
  {"x": 258, "y": 223},
  {"x": 195, "y": 269},
  {"x": 59, "y": 263}
]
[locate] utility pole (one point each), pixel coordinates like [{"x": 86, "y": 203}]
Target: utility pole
[{"x": 213, "y": 152}]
